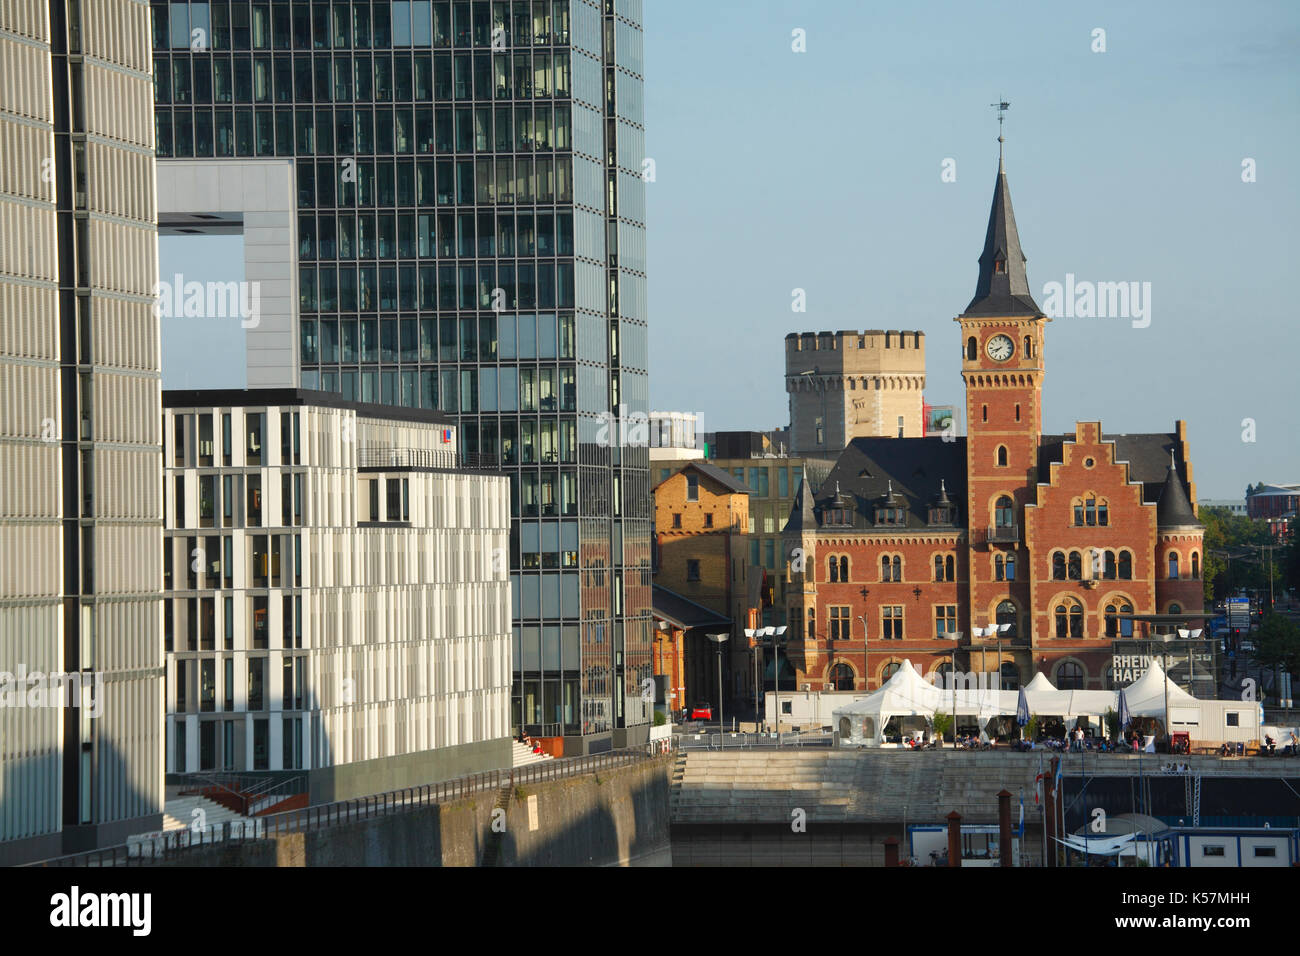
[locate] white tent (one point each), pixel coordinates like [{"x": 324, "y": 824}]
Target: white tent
[
  {"x": 1146, "y": 695},
  {"x": 908, "y": 694},
  {"x": 1039, "y": 683}
]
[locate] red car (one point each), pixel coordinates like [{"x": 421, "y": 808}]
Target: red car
[{"x": 702, "y": 712}]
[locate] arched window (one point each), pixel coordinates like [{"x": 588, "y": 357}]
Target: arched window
[
  {"x": 1115, "y": 627},
  {"x": 898, "y": 568},
  {"x": 1090, "y": 512},
  {"x": 1058, "y": 566},
  {"x": 889, "y": 670},
  {"x": 1007, "y": 614},
  {"x": 972, "y": 350},
  {"x": 1076, "y": 566},
  {"x": 812, "y": 624},
  {"x": 1002, "y": 456},
  {"x": 950, "y": 567},
  {"x": 891, "y": 568},
  {"x": 999, "y": 568},
  {"x": 834, "y": 569},
  {"x": 1173, "y": 565},
  {"x": 1103, "y": 513},
  {"x": 1069, "y": 620},
  {"x": 938, "y": 567},
  {"x": 1069, "y": 676},
  {"x": 1011, "y": 567},
  {"x": 1175, "y": 609},
  {"x": 1010, "y": 676},
  {"x": 841, "y": 677},
  {"x": 1077, "y": 506},
  {"x": 1196, "y": 565},
  {"x": 1125, "y": 566},
  {"x": 844, "y": 568},
  {"x": 1004, "y": 512},
  {"x": 884, "y": 568},
  {"x": 1109, "y": 571}
]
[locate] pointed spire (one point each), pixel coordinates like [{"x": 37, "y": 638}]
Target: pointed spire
[
  {"x": 802, "y": 515},
  {"x": 1003, "y": 286},
  {"x": 1173, "y": 509},
  {"x": 943, "y": 493}
]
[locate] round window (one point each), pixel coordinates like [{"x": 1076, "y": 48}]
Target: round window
[{"x": 1088, "y": 463}]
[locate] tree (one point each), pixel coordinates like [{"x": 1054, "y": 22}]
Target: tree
[
  {"x": 1232, "y": 560},
  {"x": 942, "y": 723},
  {"x": 1032, "y": 728},
  {"x": 1112, "y": 723},
  {"x": 1279, "y": 644},
  {"x": 1289, "y": 557}
]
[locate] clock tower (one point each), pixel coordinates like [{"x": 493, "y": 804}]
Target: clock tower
[{"x": 1002, "y": 345}]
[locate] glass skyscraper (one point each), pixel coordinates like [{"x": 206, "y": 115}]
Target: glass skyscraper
[{"x": 470, "y": 237}]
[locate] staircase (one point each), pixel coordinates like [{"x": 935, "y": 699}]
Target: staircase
[
  {"x": 496, "y": 832},
  {"x": 179, "y": 813},
  {"x": 521, "y": 755},
  {"x": 841, "y": 786}
]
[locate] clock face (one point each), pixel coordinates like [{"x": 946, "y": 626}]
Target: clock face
[{"x": 1000, "y": 348}]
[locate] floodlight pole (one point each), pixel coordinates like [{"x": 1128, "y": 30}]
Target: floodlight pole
[{"x": 719, "y": 640}]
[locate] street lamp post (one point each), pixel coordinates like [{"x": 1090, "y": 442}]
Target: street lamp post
[
  {"x": 1002, "y": 629},
  {"x": 952, "y": 674},
  {"x": 866, "y": 665},
  {"x": 755, "y": 634},
  {"x": 776, "y": 677},
  {"x": 720, "y": 639}
]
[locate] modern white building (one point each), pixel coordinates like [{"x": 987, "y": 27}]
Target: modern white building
[
  {"x": 80, "y": 472},
  {"x": 337, "y": 593}
]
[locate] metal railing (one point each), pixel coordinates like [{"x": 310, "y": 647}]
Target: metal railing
[
  {"x": 412, "y": 798},
  {"x": 1002, "y": 534},
  {"x": 163, "y": 844},
  {"x": 398, "y": 458},
  {"x": 752, "y": 741}
]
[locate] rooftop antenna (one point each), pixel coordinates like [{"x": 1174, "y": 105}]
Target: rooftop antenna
[{"x": 1001, "y": 106}]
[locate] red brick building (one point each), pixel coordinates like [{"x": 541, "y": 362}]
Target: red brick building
[{"x": 1046, "y": 537}]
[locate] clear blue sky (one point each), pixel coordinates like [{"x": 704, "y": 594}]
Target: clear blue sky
[{"x": 820, "y": 170}]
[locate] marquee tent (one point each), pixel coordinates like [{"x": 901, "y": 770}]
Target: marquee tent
[
  {"x": 908, "y": 694},
  {"x": 1040, "y": 682}
]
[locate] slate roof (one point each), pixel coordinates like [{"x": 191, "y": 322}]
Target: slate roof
[
  {"x": 801, "y": 514},
  {"x": 1007, "y": 292},
  {"x": 1147, "y": 455},
  {"x": 912, "y": 468},
  {"x": 724, "y": 478},
  {"x": 683, "y": 612},
  {"x": 1173, "y": 509}
]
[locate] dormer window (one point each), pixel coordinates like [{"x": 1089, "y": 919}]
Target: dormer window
[
  {"x": 999, "y": 266},
  {"x": 888, "y": 515},
  {"x": 940, "y": 515},
  {"x": 837, "y": 517}
]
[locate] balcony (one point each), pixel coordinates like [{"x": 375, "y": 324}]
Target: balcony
[{"x": 1003, "y": 534}]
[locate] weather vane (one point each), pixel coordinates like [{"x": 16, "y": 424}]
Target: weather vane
[{"x": 1001, "y": 106}]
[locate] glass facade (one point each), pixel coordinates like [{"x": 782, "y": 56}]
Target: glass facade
[{"x": 470, "y": 237}]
